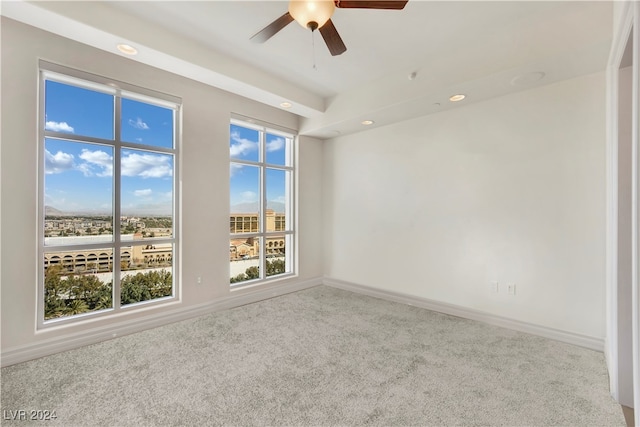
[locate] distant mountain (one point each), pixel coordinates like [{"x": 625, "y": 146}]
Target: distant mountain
[
  {"x": 51, "y": 211},
  {"x": 239, "y": 208},
  {"x": 254, "y": 206}
]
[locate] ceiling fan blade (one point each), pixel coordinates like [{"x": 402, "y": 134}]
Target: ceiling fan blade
[
  {"x": 270, "y": 30},
  {"x": 371, "y": 4},
  {"x": 332, "y": 39}
]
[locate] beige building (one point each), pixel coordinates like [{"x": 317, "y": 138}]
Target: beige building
[
  {"x": 243, "y": 248},
  {"x": 100, "y": 260}
]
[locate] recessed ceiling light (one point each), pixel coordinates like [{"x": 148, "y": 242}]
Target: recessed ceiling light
[
  {"x": 367, "y": 122},
  {"x": 458, "y": 97},
  {"x": 285, "y": 104},
  {"x": 127, "y": 49}
]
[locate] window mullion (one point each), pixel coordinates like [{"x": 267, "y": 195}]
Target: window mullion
[
  {"x": 263, "y": 206},
  {"x": 117, "y": 234},
  {"x": 76, "y": 138}
]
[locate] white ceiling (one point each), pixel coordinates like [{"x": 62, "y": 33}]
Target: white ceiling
[{"x": 483, "y": 49}]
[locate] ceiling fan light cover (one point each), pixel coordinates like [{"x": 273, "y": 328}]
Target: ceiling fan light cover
[{"x": 318, "y": 11}]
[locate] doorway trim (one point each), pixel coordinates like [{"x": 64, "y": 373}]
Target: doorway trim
[{"x": 629, "y": 24}]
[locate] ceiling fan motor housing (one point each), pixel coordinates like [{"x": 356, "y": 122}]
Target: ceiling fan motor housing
[{"x": 311, "y": 14}]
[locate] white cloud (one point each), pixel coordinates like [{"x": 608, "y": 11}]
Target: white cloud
[
  {"x": 138, "y": 124},
  {"x": 275, "y": 144},
  {"x": 143, "y": 193},
  {"x": 146, "y": 165},
  {"x": 248, "y": 196},
  {"x": 57, "y": 163},
  {"x": 96, "y": 159},
  {"x": 241, "y": 146},
  {"x": 58, "y": 127},
  {"x": 235, "y": 167}
]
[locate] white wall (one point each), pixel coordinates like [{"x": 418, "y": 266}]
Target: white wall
[
  {"x": 511, "y": 189},
  {"x": 204, "y": 178}
]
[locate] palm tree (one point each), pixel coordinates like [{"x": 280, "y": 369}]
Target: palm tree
[
  {"x": 76, "y": 306},
  {"x": 104, "y": 302}
]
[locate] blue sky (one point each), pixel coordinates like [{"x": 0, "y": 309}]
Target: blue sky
[
  {"x": 79, "y": 176},
  {"x": 245, "y": 179}
]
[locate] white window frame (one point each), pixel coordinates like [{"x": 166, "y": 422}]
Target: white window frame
[
  {"x": 290, "y": 232},
  {"x": 54, "y": 72}
]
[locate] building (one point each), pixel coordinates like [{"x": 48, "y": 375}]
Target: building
[
  {"x": 248, "y": 222},
  {"x": 243, "y": 248},
  {"x": 97, "y": 261}
]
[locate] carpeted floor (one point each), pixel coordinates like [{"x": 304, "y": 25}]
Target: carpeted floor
[{"x": 321, "y": 357}]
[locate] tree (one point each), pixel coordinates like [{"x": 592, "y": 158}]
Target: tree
[
  {"x": 54, "y": 291},
  {"x": 77, "y": 306},
  {"x": 239, "y": 278},
  {"x": 252, "y": 272},
  {"x": 146, "y": 286},
  {"x": 276, "y": 266},
  {"x": 104, "y": 302}
]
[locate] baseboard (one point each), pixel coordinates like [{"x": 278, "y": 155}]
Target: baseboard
[
  {"x": 12, "y": 356},
  {"x": 59, "y": 344},
  {"x": 589, "y": 342}
]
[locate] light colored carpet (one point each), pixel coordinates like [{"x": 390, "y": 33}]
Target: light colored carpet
[{"x": 321, "y": 357}]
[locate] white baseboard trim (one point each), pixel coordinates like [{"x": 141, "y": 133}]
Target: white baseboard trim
[
  {"x": 586, "y": 341},
  {"x": 12, "y": 356},
  {"x": 67, "y": 342}
]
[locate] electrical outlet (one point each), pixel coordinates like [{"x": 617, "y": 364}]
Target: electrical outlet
[
  {"x": 511, "y": 288},
  {"x": 199, "y": 280},
  {"x": 494, "y": 287}
]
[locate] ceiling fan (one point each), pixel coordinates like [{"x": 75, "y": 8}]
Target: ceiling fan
[{"x": 316, "y": 15}]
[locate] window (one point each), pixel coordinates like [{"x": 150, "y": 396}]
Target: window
[
  {"x": 108, "y": 161},
  {"x": 261, "y": 195}
]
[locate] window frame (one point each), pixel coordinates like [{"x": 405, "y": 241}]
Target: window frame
[
  {"x": 290, "y": 232},
  {"x": 53, "y": 72}
]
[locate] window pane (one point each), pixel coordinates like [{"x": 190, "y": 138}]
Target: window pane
[
  {"x": 71, "y": 109},
  {"x": 89, "y": 179},
  {"x": 275, "y": 249},
  {"x": 147, "y": 274},
  {"x": 244, "y": 143},
  {"x": 244, "y": 256},
  {"x": 77, "y": 282},
  {"x": 147, "y": 124},
  {"x": 146, "y": 194},
  {"x": 277, "y": 150},
  {"x": 276, "y": 183},
  {"x": 78, "y": 193},
  {"x": 245, "y": 197}
]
